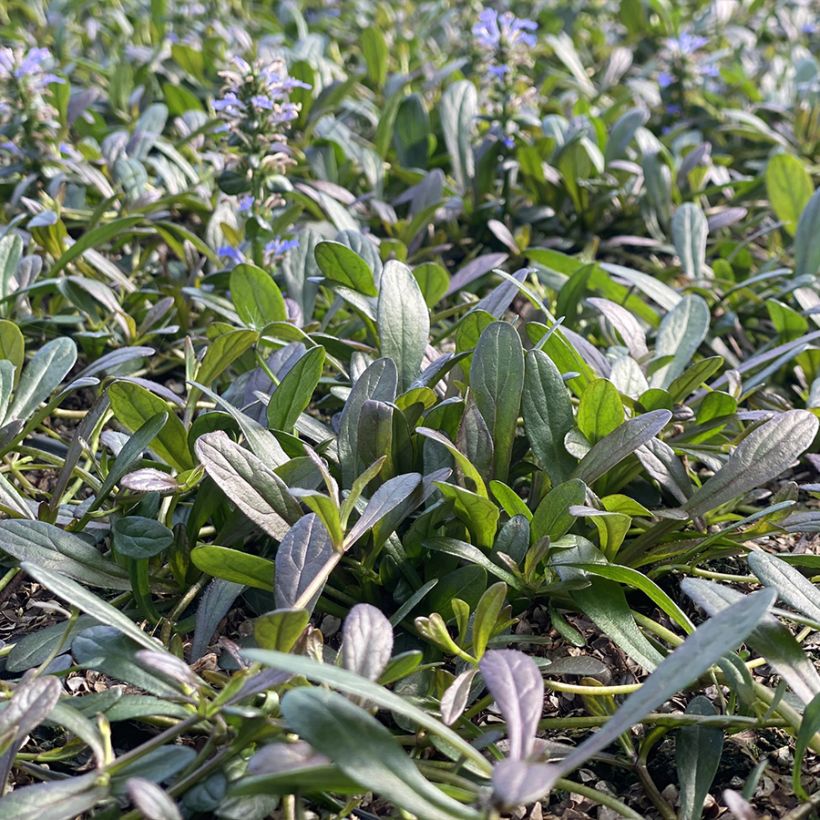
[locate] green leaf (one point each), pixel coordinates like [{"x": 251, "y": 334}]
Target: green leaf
[
  {"x": 374, "y": 49},
  {"x": 294, "y": 392},
  {"x": 809, "y": 726},
  {"x": 12, "y": 347},
  {"x": 476, "y": 511},
  {"x": 223, "y": 352},
  {"x": 604, "y": 603},
  {"x": 403, "y": 321},
  {"x": 698, "y": 750},
  {"x": 96, "y": 236},
  {"x": 457, "y": 111},
  {"x": 473, "y": 555},
  {"x": 280, "y": 629},
  {"x": 552, "y": 517},
  {"x": 467, "y": 583},
  {"x": 366, "y": 752},
  {"x": 689, "y": 232},
  {"x": 789, "y": 188},
  {"x": 637, "y": 580},
  {"x": 600, "y": 411},
  {"x": 615, "y": 447},
  {"x": 11, "y": 249},
  {"x": 354, "y": 684},
  {"x": 46, "y": 370},
  {"x": 487, "y": 611},
  {"x": 433, "y": 280},
  {"x": 342, "y": 265},
  {"x": 462, "y": 462},
  {"x": 411, "y": 132},
  {"x": 56, "y": 800},
  {"x": 497, "y": 383},
  {"x": 806, "y": 246},
  {"x": 378, "y": 382},
  {"x": 763, "y": 455},
  {"x": 235, "y": 566},
  {"x": 89, "y": 603},
  {"x": 133, "y": 406},
  {"x": 256, "y": 297},
  {"x": 548, "y": 416},
  {"x": 138, "y": 537}
]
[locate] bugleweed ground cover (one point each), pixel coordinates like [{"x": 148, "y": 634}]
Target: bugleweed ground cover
[{"x": 409, "y": 409}]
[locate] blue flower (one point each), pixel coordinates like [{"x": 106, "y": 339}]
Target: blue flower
[
  {"x": 232, "y": 254},
  {"x": 278, "y": 246},
  {"x": 498, "y": 72},
  {"x": 261, "y": 101},
  {"x": 229, "y": 103},
  {"x": 665, "y": 79},
  {"x": 686, "y": 43},
  {"x": 245, "y": 203},
  {"x": 494, "y": 30}
]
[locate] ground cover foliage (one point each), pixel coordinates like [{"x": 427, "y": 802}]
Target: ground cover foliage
[{"x": 409, "y": 409}]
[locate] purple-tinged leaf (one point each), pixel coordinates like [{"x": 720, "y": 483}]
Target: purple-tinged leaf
[
  {"x": 304, "y": 552},
  {"x": 149, "y": 480},
  {"x": 516, "y": 782},
  {"x": 454, "y": 700},
  {"x": 515, "y": 683},
  {"x": 367, "y": 641},
  {"x": 151, "y": 800},
  {"x": 474, "y": 269}
]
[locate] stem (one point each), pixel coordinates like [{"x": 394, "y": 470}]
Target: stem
[{"x": 598, "y": 797}]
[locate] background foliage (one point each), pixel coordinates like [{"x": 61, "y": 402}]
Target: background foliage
[{"x": 409, "y": 407}]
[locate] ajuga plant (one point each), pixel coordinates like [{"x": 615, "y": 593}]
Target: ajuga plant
[{"x": 409, "y": 410}]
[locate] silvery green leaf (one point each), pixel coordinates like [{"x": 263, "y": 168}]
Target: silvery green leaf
[
  {"x": 770, "y": 638},
  {"x": 403, "y": 321},
  {"x": 515, "y": 682},
  {"x": 367, "y": 641},
  {"x": 47, "y": 368},
  {"x": 628, "y": 327},
  {"x": 50, "y": 548},
  {"x": 690, "y": 231},
  {"x": 622, "y": 442},
  {"x": 763, "y": 455},
  {"x": 457, "y": 110},
  {"x": 517, "y": 782},
  {"x": 792, "y": 586},
  {"x": 56, "y": 800},
  {"x": 698, "y": 750},
  {"x": 680, "y": 334},
  {"x": 89, "y": 603},
  {"x": 151, "y": 800},
  {"x": 149, "y": 480}
]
